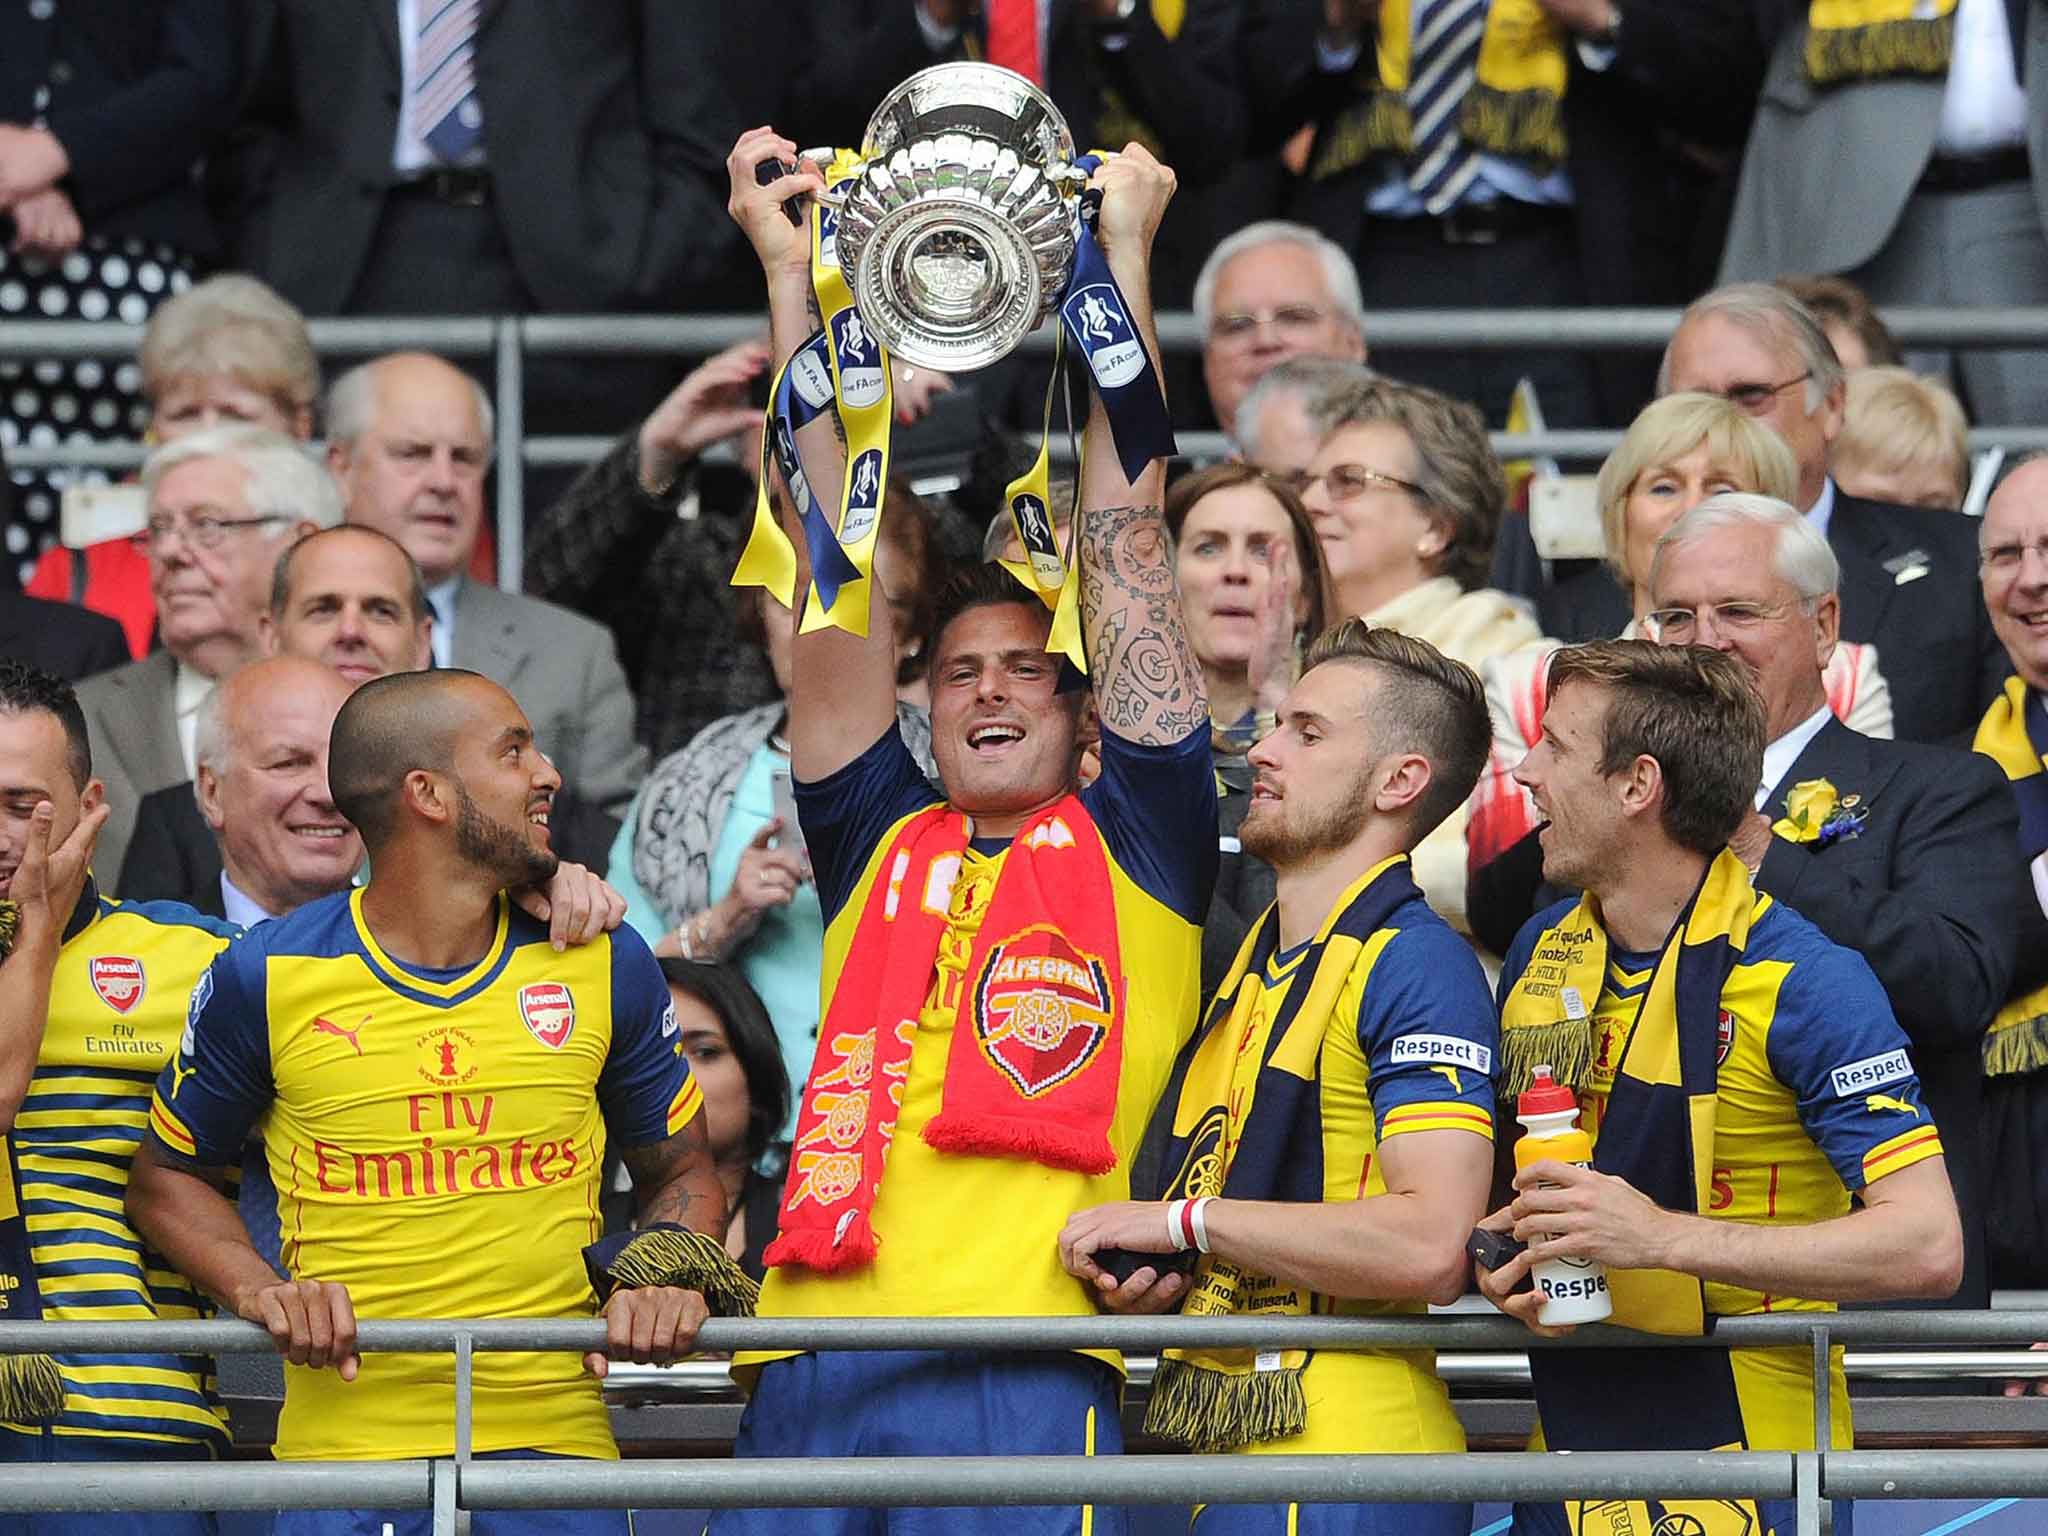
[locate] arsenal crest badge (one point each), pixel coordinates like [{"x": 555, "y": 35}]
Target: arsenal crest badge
[
  {"x": 118, "y": 979},
  {"x": 549, "y": 1011},
  {"x": 1041, "y": 1009},
  {"x": 1724, "y": 1037}
]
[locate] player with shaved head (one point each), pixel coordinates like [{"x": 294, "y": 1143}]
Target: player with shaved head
[{"x": 437, "y": 1083}]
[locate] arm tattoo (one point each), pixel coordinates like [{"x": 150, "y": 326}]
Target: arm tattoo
[
  {"x": 1148, "y": 685},
  {"x": 673, "y": 1181}
]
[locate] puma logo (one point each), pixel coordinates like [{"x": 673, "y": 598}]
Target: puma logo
[
  {"x": 1878, "y": 1101},
  {"x": 179, "y": 1072},
  {"x": 1457, "y": 1084},
  {"x": 329, "y": 1027}
]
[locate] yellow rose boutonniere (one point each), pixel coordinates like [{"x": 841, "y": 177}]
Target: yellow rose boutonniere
[{"x": 1815, "y": 813}]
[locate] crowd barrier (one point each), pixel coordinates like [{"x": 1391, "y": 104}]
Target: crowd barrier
[
  {"x": 454, "y": 1487},
  {"x": 508, "y": 340}
]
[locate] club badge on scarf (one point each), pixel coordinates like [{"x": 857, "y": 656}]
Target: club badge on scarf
[{"x": 844, "y": 367}]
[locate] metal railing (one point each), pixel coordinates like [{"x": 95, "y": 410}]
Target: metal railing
[
  {"x": 454, "y": 1486},
  {"x": 508, "y": 340}
]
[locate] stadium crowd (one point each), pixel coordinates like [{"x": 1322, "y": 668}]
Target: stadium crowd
[{"x": 380, "y": 943}]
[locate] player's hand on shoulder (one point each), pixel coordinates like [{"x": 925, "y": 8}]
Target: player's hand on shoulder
[
  {"x": 648, "y": 1325},
  {"x": 312, "y": 1321},
  {"x": 577, "y": 905}
]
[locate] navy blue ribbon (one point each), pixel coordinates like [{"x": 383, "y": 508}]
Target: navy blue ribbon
[
  {"x": 1099, "y": 321},
  {"x": 830, "y": 567}
]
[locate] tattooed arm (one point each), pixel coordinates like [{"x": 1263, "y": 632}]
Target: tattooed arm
[
  {"x": 675, "y": 1180},
  {"x": 1148, "y": 685}
]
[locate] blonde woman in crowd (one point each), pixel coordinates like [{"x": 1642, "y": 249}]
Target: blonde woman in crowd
[{"x": 1678, "y": 451}]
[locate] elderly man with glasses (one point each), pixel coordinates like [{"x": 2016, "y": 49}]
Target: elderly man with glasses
[
  {"x": 1906, "y": 853},
  {"x": 1909, "y": 575},
  {"x": 223, "y": 505},
  {"x": 1270, "y": 292}
]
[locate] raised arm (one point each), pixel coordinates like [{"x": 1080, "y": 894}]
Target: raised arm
[
  {"x": 842, "y": 694},
  {"x": 1148, "y": 685}
]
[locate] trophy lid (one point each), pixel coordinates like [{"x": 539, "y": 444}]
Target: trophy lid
[{"x": 966, "y": 96}]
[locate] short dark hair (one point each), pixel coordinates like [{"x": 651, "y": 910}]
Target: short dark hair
[
  {"x": 723, "y": 990},
  {"x": 387, "y": 728},
  {"x": 1426, "y": 703},
  {"x": 971, "y": 587},
  {"x": 27, "y": 690},
  {"x": 1695, "y": 711},
  {"x": 281, "y": 578}
]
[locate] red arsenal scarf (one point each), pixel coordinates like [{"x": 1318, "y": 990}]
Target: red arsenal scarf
[{"x": 1037, "y": 1034}]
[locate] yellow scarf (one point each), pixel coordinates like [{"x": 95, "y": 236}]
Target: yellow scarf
[
  {"x": 1868, "y": 39},
  {"x": 1516, "y": 108},
  {"x": 1667, "y": 1065},
  {"x": 2017, "y": 1040}
]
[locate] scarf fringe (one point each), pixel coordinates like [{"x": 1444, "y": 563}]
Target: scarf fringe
[
  {"x": 1566, "y": 1047},
  {"x": 1528, "y": 122},
  {"x": 31, "y": 1388},
  {"x": 816, "y": 1250},
  {"x": 692, "y": 1260},
  {"x": 1209, "y": 1410},
  {"x": 967, "y": 1134},
  {"x": 10, "y": 925},
  {"x": 1378, "y": 125},
  {"x": 1908, "y": 46},
  {"x": 2021, "y": 1046}
]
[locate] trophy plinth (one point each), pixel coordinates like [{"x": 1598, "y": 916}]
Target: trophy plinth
[{"x": 957, "y": 237}]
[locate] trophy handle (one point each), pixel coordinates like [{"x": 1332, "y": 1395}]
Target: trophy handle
[{"x": 822, "y": 158}]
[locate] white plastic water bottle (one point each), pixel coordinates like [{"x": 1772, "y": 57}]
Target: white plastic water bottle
[{"x": 1573, "y": 1290}]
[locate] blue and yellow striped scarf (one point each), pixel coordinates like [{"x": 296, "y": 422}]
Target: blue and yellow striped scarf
[{"x": 2014, "y": 735}]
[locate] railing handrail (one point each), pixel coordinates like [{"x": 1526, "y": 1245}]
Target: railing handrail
[{"x": 1782, "y": 1330}]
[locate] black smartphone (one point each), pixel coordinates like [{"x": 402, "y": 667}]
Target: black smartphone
[
  {"x": 1490, "y": 1250},
  {"x": 1124, "y": 1262},
  {"x": 772, "y": 171}
]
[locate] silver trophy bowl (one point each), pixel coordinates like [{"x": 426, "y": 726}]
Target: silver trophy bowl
[{"x": 957, "y": 237}]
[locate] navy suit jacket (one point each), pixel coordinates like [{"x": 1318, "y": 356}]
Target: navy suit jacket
[{"x": 173, "y": 855}]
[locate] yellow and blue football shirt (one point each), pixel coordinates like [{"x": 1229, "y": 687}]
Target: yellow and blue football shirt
[
  {"x": 436, "y": 1138},
  {"x": 1408, "y": 1047},
  {"x": 946, "y": 1223},
  {"x": 1815, "y": 1097},
  {"x": 117, "y": 1003}
]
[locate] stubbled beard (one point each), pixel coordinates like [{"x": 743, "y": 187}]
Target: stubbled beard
[
  {"x": 1265, "y": 834},
  {"x": 503, "y": 851}
]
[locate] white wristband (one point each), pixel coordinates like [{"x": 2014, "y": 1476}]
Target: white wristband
[
  {"x": 1196, "y": 1213},
  {"x": 1176, "y": 1231}
]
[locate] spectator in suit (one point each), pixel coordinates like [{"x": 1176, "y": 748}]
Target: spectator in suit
[
  {"x": 223, "y": 505},
  {"x": 104, "y": 110},
  {"x": 1406, "y": 497},
  {"x": 1270, "y": 292},
  {"x": 409, "y": 444},
  {"x": 1906, "y": 853},
  {"x": 1278, "y": 426},
  {"x": 347, "y": 599},
  {"x": 352, "y": 599},
  {"x": 1904, "y": 440},
  {"x": 1679, "y": 451},
  {"x": 1912, "y": 171},
  {"x": 225, "y": 352},
  {"x": 271, "y": 838},
  {"x": 2014, "y": 734},
  {"x": 1861, "y": 338},
  {"x": 1907, "y": 573}
]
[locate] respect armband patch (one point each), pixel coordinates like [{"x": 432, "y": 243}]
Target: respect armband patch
[
  {"x": 1449, "y": 1049},
  {"x": 1857, "y": 1077}
]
